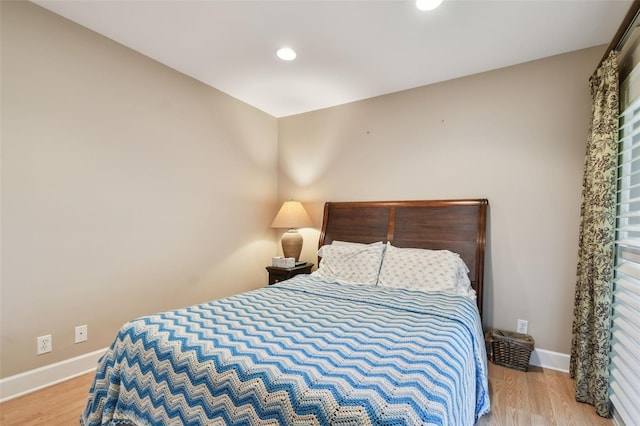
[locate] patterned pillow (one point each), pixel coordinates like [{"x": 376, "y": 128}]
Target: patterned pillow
[
  {"x": 422, "y": 269},
  {"x": 351, "y": 263}
]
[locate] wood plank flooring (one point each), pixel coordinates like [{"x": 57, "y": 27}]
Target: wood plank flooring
[
  {"x": 57, "y": 405},
  {"x": 538, "y": 397}
]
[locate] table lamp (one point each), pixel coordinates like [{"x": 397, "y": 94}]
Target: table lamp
[{"x": 292, "y": 215}]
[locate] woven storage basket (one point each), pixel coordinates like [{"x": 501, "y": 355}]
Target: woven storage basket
[{"x": 509, "y": 349}]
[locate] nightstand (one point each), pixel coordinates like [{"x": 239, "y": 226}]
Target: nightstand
[{"x": 280, "y": 274}]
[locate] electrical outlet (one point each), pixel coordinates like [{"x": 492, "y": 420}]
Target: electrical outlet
[
  {"x": 81, "y": 333},
  {"x": 523, "y": 326},
  {"x": 44, "y": 344}
]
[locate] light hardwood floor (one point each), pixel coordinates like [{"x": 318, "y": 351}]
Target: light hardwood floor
[{"x": 538, "y": 397}]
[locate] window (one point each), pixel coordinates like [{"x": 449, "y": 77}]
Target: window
[{"x": 625, "y": 339}]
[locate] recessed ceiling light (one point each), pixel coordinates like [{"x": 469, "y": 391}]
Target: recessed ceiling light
[
  {"x": 428, "y": 4},
  {"x": 286, "y": 53}
]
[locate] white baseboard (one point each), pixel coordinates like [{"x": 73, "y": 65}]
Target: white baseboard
[
  {"x": 551, "y": 360},
  {"x": 32, "y": 380}
]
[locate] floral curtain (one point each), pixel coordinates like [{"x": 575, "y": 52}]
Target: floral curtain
[{"x": 592, "y": 309}]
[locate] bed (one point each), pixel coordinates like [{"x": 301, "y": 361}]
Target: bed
[{"x": 350, "y": 344}]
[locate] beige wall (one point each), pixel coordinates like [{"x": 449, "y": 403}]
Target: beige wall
[
  {"x": 516, "y": 136},
  {"x": 127, "y": 188}
]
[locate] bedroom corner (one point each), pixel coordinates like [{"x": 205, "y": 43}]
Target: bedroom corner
[{"x": 127, "y": 188}]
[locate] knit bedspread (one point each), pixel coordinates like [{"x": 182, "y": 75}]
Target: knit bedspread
[{"x": 302, "y": 352}]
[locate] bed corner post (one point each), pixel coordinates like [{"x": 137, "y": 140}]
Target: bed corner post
[{"x": 480, "y": 251}]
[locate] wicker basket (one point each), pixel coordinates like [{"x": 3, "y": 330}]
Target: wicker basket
[{"x": 509, "y": 349}]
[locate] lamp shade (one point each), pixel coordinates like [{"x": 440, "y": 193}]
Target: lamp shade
[{"x": 291, "y": 215}]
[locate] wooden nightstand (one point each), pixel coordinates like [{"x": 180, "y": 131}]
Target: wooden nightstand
[{"x": 280, "y": 274}]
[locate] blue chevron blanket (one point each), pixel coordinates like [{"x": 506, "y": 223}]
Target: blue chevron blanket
[{"x": 302, "y": 352}]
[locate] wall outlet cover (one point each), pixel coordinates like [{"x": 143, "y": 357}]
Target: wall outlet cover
[
  {"x": 44, "y": 344},
  {"x": 523, "y": 326}
]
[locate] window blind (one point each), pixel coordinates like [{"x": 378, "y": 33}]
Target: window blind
[{"x": 624, "y": 388}]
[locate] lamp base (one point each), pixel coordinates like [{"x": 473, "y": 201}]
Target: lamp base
[{"x": 292, "y": 244}]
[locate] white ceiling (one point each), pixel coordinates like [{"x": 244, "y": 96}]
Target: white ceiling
[{"x": 347, "y": 50}]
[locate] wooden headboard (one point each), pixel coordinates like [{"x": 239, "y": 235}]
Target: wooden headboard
[{"x": 455, "y": 225}]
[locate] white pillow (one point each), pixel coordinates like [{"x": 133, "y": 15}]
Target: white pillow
[
  {"x": 422, "y": 269},
  {"x": 351, "y": 263}
]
